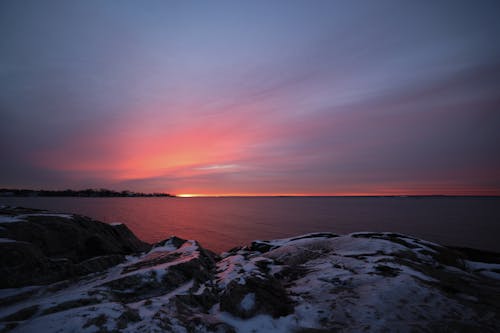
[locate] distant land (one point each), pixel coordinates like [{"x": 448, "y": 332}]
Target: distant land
[
  {"x": 4, "y": 192},
  {"x": 7, "y": 192}
]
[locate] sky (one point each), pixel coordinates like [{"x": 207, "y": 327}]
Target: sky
[{"x": 251, "y": 97}]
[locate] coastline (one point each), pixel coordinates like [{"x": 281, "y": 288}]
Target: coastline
[{"x": 319, "y": 281}]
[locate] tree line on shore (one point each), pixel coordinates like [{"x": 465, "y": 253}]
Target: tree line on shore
[{"x": 77, "y": 193}]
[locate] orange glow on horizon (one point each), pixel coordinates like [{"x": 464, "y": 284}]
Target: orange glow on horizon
[
  {"x": 187, "y": 195},
  {"x": 207, "y": 157}
]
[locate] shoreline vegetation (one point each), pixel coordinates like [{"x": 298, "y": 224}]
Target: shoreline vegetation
[{"x": 94, "y": 193}]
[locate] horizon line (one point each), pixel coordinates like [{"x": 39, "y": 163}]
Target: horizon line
[
  {"x": 477, "y": 193},
  {"x": 327, "y": 195}
]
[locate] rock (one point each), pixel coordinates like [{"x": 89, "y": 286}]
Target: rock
[
  {"x": 162, "y": 270},
  {"x": 22, "y": 263},
  {"x": 363, "y": 281},
  {"x": 98, "y": 264},
  {"x": 318, "y": 282},
  {"x": 21, "y": 315},
  {"x": 128, "y": 316},
  {"x": 73, "y": 237},
  {"x": 256, "y": 296},
  {"x": 40, "y": 247}
]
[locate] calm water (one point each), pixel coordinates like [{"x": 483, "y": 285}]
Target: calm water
[{"x": 222, "y": 223}]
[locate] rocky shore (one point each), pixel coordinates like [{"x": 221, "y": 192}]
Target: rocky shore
[{"x": 70, "y": 273}]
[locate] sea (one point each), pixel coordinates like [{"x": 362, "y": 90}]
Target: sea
[{"x": 220, "y": 224}]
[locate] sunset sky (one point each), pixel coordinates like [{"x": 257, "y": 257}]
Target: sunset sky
[{"x": 251, "y": 97}]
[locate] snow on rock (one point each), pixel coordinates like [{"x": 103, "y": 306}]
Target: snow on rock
[
  {"x": 26, "y": 217},
  {"x": 488, "y": 269},
  {"x": 248, "y": 302},
  {"x": 317, "y": 282},
  {"x": 139, "y": 295},
  {"x": 9, "y": 219},
  {"x": 162, "y": 270},
  {"x": 7, "y": 240}
]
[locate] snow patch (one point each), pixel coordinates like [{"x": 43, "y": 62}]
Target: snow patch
[
  {"x": 6, "y": 240},
  {"x": 23, "y": 217},
  {"x": 490, "y": 270},
  {"x": 9, "y": 219},
  {"x": 248, "y": 302}
]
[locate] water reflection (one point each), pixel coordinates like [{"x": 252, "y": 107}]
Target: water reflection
[{"x": 222, "y": 223}]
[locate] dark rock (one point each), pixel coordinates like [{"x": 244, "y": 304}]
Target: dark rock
[
  {"x": 291, "y": 273},
  {"x": 128, "y": 316},
  {"x": 74, "y": 237},
  {"x": 316, "y": 235},
  {"x": 193, "y": 323},
  {"x": 387, "y": 270},
  {"x": 70, "y": 305},
  {"x": 269, "y": 298},
  {"x": 261, "y": 246},
  {"x": 235, "y": 249},
  {"x": 49, "y": 247},
  {"x": 98, "y": 264},
  {"x": 221, "y": 327},
  {"x": 137, "y": 287},
  {"x": 98, "y": 321},
  {"x": 174, "y": 241},
  {"x": 202, "y": 302},
  {"x": 22, "y": 314},
  {"x": 478, "y": 255},
  {"x": 21, "y": 263}
]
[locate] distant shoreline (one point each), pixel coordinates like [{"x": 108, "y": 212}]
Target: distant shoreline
[{"x": 88, "y": 193}]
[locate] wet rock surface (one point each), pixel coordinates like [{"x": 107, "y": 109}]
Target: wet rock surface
[{"x": 320, "y": 282}]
